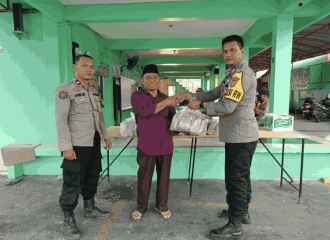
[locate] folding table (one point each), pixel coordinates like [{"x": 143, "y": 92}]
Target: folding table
[{"x": 263, "y": 133}]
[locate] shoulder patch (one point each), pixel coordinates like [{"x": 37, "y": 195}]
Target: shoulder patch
[
  {"x": 235, "y": 90},
  {"x": 63, "y": 95}
]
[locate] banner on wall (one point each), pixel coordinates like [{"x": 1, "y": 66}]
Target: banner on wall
[
  {"x": 300, "y": 78},
  {"x": 127, "y": 89}
]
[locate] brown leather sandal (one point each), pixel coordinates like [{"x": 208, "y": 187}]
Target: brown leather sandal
[
  {"x": 166, "y": 215},
  {"x": 136, "y": 216}
]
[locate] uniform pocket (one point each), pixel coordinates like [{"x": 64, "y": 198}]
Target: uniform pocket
[
  {"x": 71, "y": 173},
  {"x": 81, "y": 105}
]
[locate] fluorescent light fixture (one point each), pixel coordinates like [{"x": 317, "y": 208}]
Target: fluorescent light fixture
[
  {"x": 169, "y": 64},
  {"x": 179, "y": 19}
]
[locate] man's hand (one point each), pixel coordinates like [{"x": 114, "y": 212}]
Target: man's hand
[
  {"x": 108, "y": 144},
  {"x": 69, "y": 154},
  {"x": 172, "y": 101},
  {"x": 183, "y": 96},
  {"x": 255, "y": 109},
  {"x": 194, "y": 105}
]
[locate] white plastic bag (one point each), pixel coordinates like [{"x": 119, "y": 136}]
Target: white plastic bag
[
  {"x": 189, "y": 120},
  {"x": 213, "y": 124},
  {"x": 128, "y": 127},
  {"x": 216, "y": 130}
]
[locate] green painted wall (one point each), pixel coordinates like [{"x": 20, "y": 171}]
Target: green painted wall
[
  {"x": 209, "y": 163},
  {"x": 29, "y": 77},
  {"x": 319, "y": 79}
]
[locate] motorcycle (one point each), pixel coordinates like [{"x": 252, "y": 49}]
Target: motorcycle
[
  {"x": 308, "y": 107},
  {"x": 321, "y": 111}
]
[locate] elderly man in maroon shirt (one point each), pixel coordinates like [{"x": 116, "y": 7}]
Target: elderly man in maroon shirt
[{"x": 153, "y": 113}]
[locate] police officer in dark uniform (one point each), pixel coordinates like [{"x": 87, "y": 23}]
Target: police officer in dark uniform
[
  {"x": 238, "y": 128},
  {"x": 80, "y": 129}
]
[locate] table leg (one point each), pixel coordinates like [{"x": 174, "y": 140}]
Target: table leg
[
  {"x": 114, "y": 160},
  {"x": 192, "y": 172},
  {"x": 282, "y": 162},
  {"x": 191, "y": 148},
  {"x": 301, "y": 169},
  {"x": 277, "y": 162},
  {"x": 108, "y": 165}
]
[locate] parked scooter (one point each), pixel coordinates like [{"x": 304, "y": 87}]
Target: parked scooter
[
  {"x": 308, "y": 108},
  {"x": 322, "y": 110}
]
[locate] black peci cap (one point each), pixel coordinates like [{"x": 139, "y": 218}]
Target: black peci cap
[{"x": 151, "y": 68}]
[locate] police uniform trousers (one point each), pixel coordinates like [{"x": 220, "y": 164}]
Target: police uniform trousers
[
  {"x": 145, "y": 172},
  {"x": 81, "y": 175},
  {"x": 237, "y": 176}
]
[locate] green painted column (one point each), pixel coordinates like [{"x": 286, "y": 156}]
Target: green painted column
[
  {"x": 222, "y": 71},
  {"x": 65, "y": 52},
  {"x": 202, "y": 83},
  {"x": 109, "y": 109},
  {"x": 246, "y": 55},
  {"x": 279, "y": 95},
  {"x": 205, "y": 83},
  {"x": 279, "y": 89},
  {"x": 212, "y": 79},
  {"x": 177, "y": 84}
]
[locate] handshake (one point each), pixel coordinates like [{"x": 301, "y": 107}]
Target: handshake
[{"x": 175, "y": 100}]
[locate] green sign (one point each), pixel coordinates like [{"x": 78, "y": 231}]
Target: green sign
[
  {"x": 268, "y": 121},
  {"x": 285, "y": 123}
]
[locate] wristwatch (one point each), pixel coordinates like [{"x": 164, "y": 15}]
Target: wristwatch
[{"x": 201, "y": 105}]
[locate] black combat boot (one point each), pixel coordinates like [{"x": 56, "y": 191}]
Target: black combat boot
[
  {"x": 232, "y": 230},
  {"x": 245, "y": 218},
  {"x": 69, "y": 226},
  {"x": 93, "y": 212}
]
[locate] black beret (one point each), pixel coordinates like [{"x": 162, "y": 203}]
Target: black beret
[{"x": 151, "y": 68}]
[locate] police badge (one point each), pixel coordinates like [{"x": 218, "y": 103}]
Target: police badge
[
  {"x": 63, "y": 95},
  {"x": 234, "y": 80}
]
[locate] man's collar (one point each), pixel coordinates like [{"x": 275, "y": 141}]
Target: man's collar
[
  {"x": 158, "y": 92},
  {"x": 240, "y": 65}
]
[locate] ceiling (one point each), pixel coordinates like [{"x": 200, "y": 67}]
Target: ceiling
[
  {"x": 77, "y": 2},
  {"x": 183, "y": 52},
  {"x": 204, "y": 26},
  {"x": 180, "y": 29}
]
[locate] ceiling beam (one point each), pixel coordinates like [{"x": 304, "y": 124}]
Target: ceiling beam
[
  {"x": 259, "y": 29},
  {"x": 52, "y": 9},
  {"x": 150, "y": 11},
  {"x": 182, "y": 74},
  {"x": 291, "y": 6},
  {"x": 189, "y": 60},
  {"x": 300, "y": 23},
  {"x": 161, "y": 43},
  {"x": 182, "y": 69}
]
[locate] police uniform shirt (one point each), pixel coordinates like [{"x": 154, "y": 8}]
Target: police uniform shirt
[
  {"x": 237, "y": 122},
  {"x": 78, "y": 115}
]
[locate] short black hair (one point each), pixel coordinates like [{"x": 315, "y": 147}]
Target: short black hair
[
  {"x": 231, "y": 38},
  {"x": 77, "y": 59}
]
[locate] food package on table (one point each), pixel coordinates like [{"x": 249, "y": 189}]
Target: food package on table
[
  {"x": 216, "y": 130},
  {"x": 213, "y": 123},
  {"x": 128, "y": 127},
  {"x": 189, "y": 120}
]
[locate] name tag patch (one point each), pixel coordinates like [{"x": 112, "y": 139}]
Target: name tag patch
[
  {"x": 235, "y": 90},
  {"x": 96, "y": 94},
  {"x": 79, "y": 94}
]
